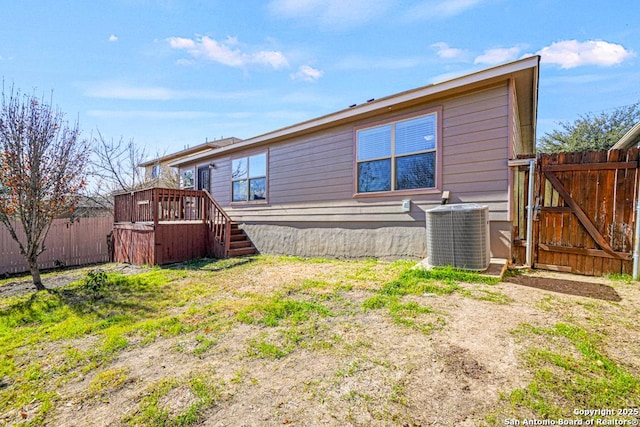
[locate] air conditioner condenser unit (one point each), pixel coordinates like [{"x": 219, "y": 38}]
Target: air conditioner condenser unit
[{"x": 458, "y": 235}]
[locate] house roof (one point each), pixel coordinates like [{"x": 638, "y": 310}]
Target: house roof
[
  {"x": 629, "y": 139},
  {"x": 524, "y": 72},
  {"x": 196, "y": 149}
]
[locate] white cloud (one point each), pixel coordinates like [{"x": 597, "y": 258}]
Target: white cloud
[
  {"x": 444, "y": 51},
  {"x": 307, "y": 74},
  {"x": 498, "y": 55},
  {"x": 274, "y": 59},
  {"x": 332, "y": 14},
  {"x": 113, "y": 38},
  {"x": 572, "y": 53},
  {"x": 227, "y": 52}
]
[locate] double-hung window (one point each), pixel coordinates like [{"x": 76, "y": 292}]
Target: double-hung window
[
  {"x": 397, "y": 156},
  {"x": 249, "y": 178}
]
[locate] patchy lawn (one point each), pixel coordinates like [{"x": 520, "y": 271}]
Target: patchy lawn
[{"x": 286, "y": 341}]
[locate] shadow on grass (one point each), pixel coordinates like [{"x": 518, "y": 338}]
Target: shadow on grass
[
  {"x": 210, "y": 264},
  {"x": 569, "y": 287},
  {"x": 84, "y": 302},
  {"x": 130, "y": 295}
]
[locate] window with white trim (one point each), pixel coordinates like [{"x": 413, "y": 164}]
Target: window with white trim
[
  {"x": 186, "y": 179},
  {"x": 155, "y": 171},
  {"x": 397, "y": 156},
  {"x": 249, "y": 178}
]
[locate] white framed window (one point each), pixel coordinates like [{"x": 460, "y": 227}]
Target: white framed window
[
  {"x": 397, "y": 156},
  {"x": 186, "y": 179},
  {"x": 155, "y": 171},
  {"x": 249, "y": 178}
]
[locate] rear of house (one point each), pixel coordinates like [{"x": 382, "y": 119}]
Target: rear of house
[{"x": 357, "y": 183}]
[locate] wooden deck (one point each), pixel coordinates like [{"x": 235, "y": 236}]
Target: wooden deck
[{"x": 161, "y": 226}]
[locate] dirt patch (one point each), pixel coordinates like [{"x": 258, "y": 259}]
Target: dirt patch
[
  {"x": 569, "y": 287},
  {"x": 458, "y": 361},
  {"x": 357, "y": 367}
]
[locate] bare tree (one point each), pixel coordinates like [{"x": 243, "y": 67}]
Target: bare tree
[
  {"x": 42, "y": 170},
  {"x": 114, "y": 169}
]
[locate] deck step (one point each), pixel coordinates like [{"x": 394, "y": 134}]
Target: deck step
[
  {"x": 240, "y": 244},
  {"x": 241, "y": 252}
]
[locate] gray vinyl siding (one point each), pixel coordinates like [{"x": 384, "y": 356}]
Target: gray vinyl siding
[
  {"x": 315, "y": 168},
  {"x": 475, "y": 149},
  {"x": 311, "y": 177},
  {"x": 221, "y": 180}
]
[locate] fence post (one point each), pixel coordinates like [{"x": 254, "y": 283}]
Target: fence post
[
  {"x": 636, "y": 236},
  {"x": 530, "y": 208},
  {"x": 155, "y": 204},
  {"x": 131, "y": 208}
]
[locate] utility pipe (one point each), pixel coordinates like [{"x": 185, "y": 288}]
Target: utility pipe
[
  {"x": 636, "y": 236},
  {"x": 530, "y": 208}
]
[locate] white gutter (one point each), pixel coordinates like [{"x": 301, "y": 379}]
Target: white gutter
[
  {"x": 636, "y": 238},
  {"x": 530, "y": 208}
]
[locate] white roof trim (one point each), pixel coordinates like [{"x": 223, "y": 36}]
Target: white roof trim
[
  {"x": 379, "y": 104},
  {"x": 629, "y": 139}
]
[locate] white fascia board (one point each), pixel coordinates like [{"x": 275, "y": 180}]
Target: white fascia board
[
  {"x": 380, "y": 104},
  {"x": 629, "y": 138}
]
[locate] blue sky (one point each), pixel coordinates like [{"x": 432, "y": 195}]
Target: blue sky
[{"x": 172, "y": 73}]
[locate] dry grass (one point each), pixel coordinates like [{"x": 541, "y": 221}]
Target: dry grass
[{"x": 287, "y": 341}]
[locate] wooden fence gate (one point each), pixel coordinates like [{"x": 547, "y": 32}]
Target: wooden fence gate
[{"x": 584, "y": 211}]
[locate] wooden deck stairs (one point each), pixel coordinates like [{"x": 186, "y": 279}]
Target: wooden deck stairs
[
  {"x": 162, "y": 226},
  {"x": 240, "y": 244}
]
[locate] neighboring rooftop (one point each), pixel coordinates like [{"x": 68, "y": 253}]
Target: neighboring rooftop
[
  {"x": 629, "y": 139},
  {"x": 190, "y": 151}
]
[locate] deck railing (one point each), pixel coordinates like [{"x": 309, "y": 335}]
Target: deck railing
[
  {"x": 162, "y": 205},
  {"x": 219, "y": 224}
]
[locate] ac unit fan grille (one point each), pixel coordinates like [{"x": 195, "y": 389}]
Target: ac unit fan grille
[{"x": 458, "y": 235}]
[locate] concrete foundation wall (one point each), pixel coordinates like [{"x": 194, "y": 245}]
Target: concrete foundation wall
[{"x": 357, "y": 240}]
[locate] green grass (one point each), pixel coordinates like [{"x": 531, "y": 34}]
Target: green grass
[
  {"x": 409, "y": 314},
  {"x": 272, "y": 311},
  {"x": 106, "y": 381},
  {"x": 436, "y": 281},
  {"x": 128, "y": 306},
  {"x": 262, "y": 348},
  {"x": 433, "y": 282},
  {"x": 623, "y": 278},
  {"x": 127, "y": 312},
  {"x": 572, "y": 370},
  {"x": 80, "y": 338}
]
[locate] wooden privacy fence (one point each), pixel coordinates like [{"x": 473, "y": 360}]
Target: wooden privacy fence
[
  {"x": 68, "y": 244},
  {"x": 584, "y": 211}
]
